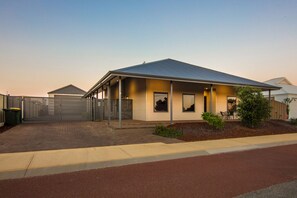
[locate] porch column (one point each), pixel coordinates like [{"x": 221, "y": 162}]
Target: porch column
[
  {"x": 108, "y": 102},
  {"x": 269, "y": 98},
  {"x": 102, "y": 103},
  {"x": 91, "y": 105},
  {"x": 171, "y": 103},
  {"x": 210, "y": 99},
  {"x": 120, "y": 102},
  {"x": 96, "y": 103}
]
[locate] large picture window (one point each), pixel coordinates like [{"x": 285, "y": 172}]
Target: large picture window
[
  {"x": 231, "y": 105},
  {"x": 188, "y": 103},
  {"x": 160, "y": 102}
]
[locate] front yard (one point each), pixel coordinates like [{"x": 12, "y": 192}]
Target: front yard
[{"x": 233, "y": 129}]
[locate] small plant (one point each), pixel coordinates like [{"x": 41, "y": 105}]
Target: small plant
[
  {"x": 293, "y": 121},
  {"x": 167, "y": 131},
  {"x": 213, "y": 120}
]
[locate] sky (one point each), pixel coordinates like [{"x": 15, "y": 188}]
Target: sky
[{"x": 45, "y": 45}]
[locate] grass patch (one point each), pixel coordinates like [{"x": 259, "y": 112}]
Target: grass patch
[{"x": 167, "y": 132}]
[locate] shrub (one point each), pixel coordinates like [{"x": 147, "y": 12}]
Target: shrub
[
  {"x": 167, "y": 131},
  {"x": 213, "y": 120},
  {"x": 293, "y": 121},
  {"x": 253, "y": 107}
]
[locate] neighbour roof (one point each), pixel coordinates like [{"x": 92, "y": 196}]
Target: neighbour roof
[
  {"x": 278, "y": 81},
  {"x": 170, "y": 69},
  {"x": 284, "y": 83},
  {"x": 69, "y": 89}
]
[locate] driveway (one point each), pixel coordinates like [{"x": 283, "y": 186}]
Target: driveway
[{"x": 63, "y": 135}]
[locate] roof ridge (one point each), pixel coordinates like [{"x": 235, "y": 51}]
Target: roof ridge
[
  {"x": 133, "y": 66},
  {"x": 66, "y": 87}
]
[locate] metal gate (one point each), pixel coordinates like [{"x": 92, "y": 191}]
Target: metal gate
[
  {"x": 100, "y": 109},
  {"x": 59, "y": 108}
]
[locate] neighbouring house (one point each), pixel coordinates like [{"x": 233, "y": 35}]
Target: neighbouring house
[
  {"x": 168, "y": 90},
  {"x": 59, "y": 95},
  {"x": 69, "y": 90},
  {"x": 288, "y": 90}
]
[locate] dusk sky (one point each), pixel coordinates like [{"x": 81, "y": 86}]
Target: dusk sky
[{"x": 45, "y": 45}]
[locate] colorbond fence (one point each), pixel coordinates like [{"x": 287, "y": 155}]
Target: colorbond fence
[
  {"x": 64, "y": 108},
  {"x": 59, "y": 108},
  {"x": 278, "y": 110}
]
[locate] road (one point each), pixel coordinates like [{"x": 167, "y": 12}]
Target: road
[{"x": 223, "y": 175}]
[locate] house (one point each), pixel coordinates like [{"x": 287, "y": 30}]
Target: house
[
  {"x": 288, "y": 90},
  {"x": 66, "y": 96},
  {"x": 168, "y": 90}
]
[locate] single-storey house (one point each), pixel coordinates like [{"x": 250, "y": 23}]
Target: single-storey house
[
  {"x": 168, "y": 90},
  {"x": 288, "y": 90}
]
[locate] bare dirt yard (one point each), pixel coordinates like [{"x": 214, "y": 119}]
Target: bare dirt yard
[{"x": 233, "y": 129}]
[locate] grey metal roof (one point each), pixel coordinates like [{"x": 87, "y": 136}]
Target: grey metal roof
[
  {"x": 170, "y": 69},
  {"x": 69, "y": 89},
  {"x": 287, "y": 87},
  {"x": 174, "y": 69}
]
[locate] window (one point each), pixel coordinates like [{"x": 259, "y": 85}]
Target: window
[
  {"x": 160, "y": 102},
  {"x": 231, "y": 105},
  {"x": 188, "y": 103}
]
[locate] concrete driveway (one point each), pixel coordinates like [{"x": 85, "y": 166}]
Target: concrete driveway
[{"x": 63, "y": 135}]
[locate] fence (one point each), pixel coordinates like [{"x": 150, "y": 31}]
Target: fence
[
  {"x": 278, "y": 110},
  {"x": 3, "y": 105},
  {"x": 65, "y": 108},
  {"x": 100, "y": 109},
  {"x": 59, "y": 108}
]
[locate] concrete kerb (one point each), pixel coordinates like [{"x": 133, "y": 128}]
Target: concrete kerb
[{"x": 28, "y": 164}]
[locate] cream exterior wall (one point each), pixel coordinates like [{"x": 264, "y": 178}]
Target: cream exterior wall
[
  {"x": 222, "y": 92},
  {"x": 135, "y": 89},
  {"x": 141, "y": 91},
  {"x": 178, "y": 90}
]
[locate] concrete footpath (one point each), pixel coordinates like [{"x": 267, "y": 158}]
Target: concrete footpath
[{"x": 38, "y": 163}]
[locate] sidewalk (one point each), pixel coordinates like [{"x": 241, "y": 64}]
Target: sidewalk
[{"x": 29, "y": 164}]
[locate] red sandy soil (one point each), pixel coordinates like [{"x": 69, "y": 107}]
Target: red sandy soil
[{"x": 233, "y": 129}]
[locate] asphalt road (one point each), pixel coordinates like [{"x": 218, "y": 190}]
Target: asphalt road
[
  {"x": 223, "y": 175},
  {"x": 288, "y": 189}
]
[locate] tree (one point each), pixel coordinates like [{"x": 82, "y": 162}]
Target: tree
[
  {"x": 253, "y": 107},
  {"x": 287, "y": 101}
]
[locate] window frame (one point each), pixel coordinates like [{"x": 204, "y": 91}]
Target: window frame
[
  {"x": 154, "y": 103},
  {"x": 189, "y": 94}
]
